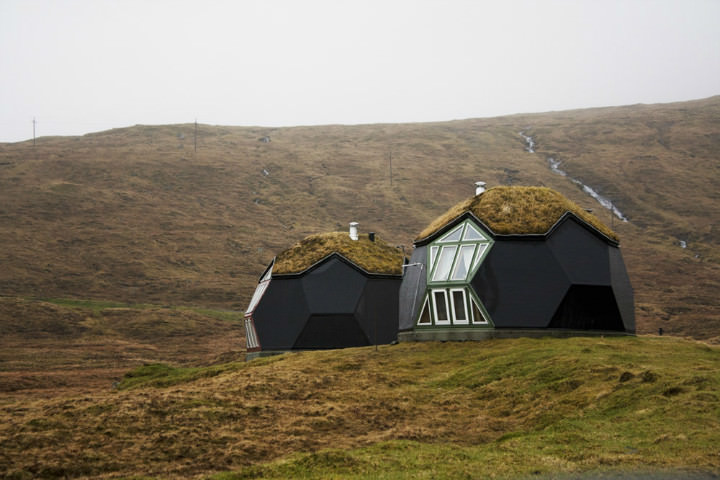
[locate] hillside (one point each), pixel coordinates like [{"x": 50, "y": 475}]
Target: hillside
[
  {"x": 60, "y": 347},
  {"x": 494, "y": 409},
  {"x": 136, "y": 215}
]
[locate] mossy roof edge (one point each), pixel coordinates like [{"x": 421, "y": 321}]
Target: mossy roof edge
[
  {"x": 517, "y": 211},
  {"x": 376, "y": 257}
]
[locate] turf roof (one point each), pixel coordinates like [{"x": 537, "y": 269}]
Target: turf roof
[
  {"x": 373, "y": 257},
  {"x": 517, "y": 211}
]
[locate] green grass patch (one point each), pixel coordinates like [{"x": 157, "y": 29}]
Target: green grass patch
[
  {"x": 403, "y": 459},
  {"x": 96, "y": 306},
  {"x": 162, "y": 375},
  {"x": 224, "y": 315}
]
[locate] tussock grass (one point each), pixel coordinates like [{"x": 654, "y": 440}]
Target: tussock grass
[
  {"x": 162, "y": 375},
  {"x": 373, "y": 257},
  {"x": 492, "y": 409},
  {"x": 517, "y": 210}
]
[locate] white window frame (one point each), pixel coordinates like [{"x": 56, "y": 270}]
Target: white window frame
[
  {"x": 425, "y": 307},
  {"x": 439, "y": 249},
  {"x": 455, "y": 320},
  {"x": 437, "y": 320},
  {"x": 251, "y": 340},
  {"x": 483, "y": 320},
  {"x": 458, "y": 261},
  {"x": 454, "y": 248}
]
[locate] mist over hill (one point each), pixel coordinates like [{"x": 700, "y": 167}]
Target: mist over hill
[{"x": 188, "y": 215}]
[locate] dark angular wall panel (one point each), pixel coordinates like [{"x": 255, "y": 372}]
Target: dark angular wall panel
[
  {"x": 377, "y": 311},
  {"x": 331, "y": 331},
  {"x": 583, "y": 257},
  {"x": 333, "y": 287},
  {"x": 412, "y": 289},
  {"x": 622, "y": 289},
  {"x": 281, "y": 314},
  {"x": 521, "y": 284}
]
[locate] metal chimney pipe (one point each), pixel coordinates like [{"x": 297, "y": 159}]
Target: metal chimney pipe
[
  {"x": 479, "y": 187},
  {"x": 354, "y": 230}
]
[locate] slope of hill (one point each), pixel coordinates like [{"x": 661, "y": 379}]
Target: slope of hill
[
  {"x": 58, "y": 347},
  {"x": 137, "y": 215},
  {"x": 498, "y": 408}
]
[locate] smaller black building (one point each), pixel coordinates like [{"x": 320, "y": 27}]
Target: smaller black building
[{"x": 328, "y": 291}]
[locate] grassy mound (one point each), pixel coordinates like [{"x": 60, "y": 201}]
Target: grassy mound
[
  {"x": 373, "y": 257},
  {"x": 493, "y": 409},
  {"x": 517, "y": 210}
]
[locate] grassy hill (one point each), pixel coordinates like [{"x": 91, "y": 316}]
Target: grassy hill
[
  {"x": 493, "y": 409},
  {"x": 137, "y": 215},
  {"x": 62, "y": 347}
]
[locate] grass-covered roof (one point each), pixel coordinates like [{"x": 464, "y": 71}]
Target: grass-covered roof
[
  {"x": 373, "y": 257},
  {"x": 517, "y": 211}
]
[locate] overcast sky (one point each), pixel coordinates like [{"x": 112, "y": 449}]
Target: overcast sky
[{"x": 85, "y": 66}]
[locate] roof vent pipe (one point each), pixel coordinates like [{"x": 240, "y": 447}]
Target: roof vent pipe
[
  {"x": 479, "y": 187},
  {"x": 353, "y": 230}
]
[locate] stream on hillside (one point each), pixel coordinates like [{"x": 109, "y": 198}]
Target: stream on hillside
[{"x": 555, "y": 167}]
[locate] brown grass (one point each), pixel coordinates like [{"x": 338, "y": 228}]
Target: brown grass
[
  {"x": 508, "y": 405},
  {"x": 517, "y": 210},
  {"x": 373, "y": 257},
  {"x": 57, "y": 347}
]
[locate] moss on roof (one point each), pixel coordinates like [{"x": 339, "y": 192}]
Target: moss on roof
[
  {"x": 517, "y": 210},
  {"x": 373, "y": 257}
]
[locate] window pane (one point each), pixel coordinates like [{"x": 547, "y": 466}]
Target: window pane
[
  {"x": 433, "y": 255},
  {"x": 259, "y": 291},
  {"x": 471, "y": 233},
  {"x": 447, "y": 254},
  {"x": 250, "y": 336},
  {"x": 458, "y": 299},
  {"x": 481, "y": 250},
  {"x": 441, "y": 307},
  {"x": 462, "y": 266},
  {"x": 478, "y": 316},
  {"x": 453, "y": 236},
  {"x": 425, "y": 314}
]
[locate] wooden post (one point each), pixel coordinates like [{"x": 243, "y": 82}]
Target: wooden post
[{"x": 390, "y": 157}]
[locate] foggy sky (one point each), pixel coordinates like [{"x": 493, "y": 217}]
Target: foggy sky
[{"x": 84, "y": 66}]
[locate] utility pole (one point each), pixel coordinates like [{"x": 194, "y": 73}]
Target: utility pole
[
  {"x": 34, "y": 131},
  {"x": 390, "y": 158}
]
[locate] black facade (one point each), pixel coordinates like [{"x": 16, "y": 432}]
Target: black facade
[
  {"x": 333, "y": 304},
  {"x": 571, "y": 278}
]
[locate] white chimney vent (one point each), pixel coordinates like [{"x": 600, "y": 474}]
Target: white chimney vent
[
  {"x": 353, "y": 230},
  {"x": 479, "y": 187}
]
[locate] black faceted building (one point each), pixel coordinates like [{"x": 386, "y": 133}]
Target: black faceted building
[
  {"x": 330, "y": 290},
  {"x": 515, "y": 261}
]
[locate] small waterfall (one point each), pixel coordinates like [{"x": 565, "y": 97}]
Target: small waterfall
[
  {"x": 555, "y": 168},
  {"x": 604, "y": 201},
  {"x": 529, "y": 141}
]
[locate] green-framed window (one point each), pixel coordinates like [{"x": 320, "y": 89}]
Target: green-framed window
[
  {"x": 453, "y": 259},
  {"x": 452, "y": 306}
]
